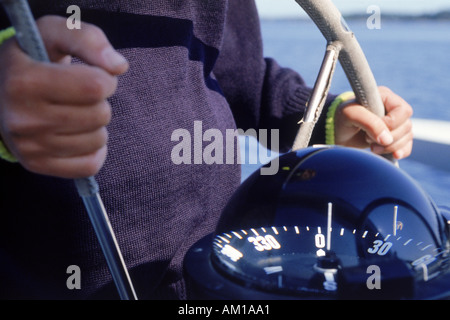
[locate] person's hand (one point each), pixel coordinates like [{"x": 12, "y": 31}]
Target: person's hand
[
  {"x": 53, "y": 115},
  {"x": 355, "y": 126}
]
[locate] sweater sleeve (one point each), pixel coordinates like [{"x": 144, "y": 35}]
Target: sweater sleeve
[{"x": 261, "y": 93}]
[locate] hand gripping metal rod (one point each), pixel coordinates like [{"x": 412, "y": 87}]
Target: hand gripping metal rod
[
  {"x": 30, "y": 41},
  {"x": 329, "y": 20}
]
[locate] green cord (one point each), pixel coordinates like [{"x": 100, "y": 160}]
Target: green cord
[
  {"x": 7, "y": 34},
  {"x": 330, "y": 121},
  {"x": 5, "y": 154}
]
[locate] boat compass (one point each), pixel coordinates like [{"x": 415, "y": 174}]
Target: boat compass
[{"x": 334, "y": 223}]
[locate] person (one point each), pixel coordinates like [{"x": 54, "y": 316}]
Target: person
[{"x": 120, "y": 85}]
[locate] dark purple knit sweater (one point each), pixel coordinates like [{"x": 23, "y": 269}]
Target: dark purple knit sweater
[{"x": 189, "y": 60}]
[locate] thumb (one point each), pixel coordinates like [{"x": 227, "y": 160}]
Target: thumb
[{"x": 88, "y": 43}]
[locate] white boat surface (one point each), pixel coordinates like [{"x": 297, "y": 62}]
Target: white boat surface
[{"x": 432, "y": 143}]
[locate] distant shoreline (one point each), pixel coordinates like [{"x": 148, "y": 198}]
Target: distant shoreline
[
  {"x": 439, "y": 16},
  {"x": 442, "y": 15}
]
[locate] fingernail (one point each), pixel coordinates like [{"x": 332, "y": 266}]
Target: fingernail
[
  {"x": 385, "y": 138},
  {"x": 113, "y": 58},
  {"x": 399, "y": 154}
]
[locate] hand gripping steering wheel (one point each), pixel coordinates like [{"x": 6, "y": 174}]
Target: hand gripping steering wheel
[{"x": 342, "y": 45}]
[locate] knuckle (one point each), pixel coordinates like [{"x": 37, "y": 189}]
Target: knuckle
[
  {"x": 104, "y": 114},
  {"x": 93, "y": 163},
  {"x": 16, "y": 84},
  {"x": 96, "y": 141},
  {"x": 390, "y": 121},
  {"x": 385, "y": 92},
  {"x": 95, "y": 88},
  {"x": 407, "y": 152},
  {"x": 20, "y": 126},
  {"x": 409, "y": 127},
  {"x": 49, "y": 20},
  {"x": 99, "y": 86},
  {"x": 410, "y": 136},
  {"x": 34, "y": 164},
  {"x": 103, "y": 138},
  {"x": 409, "y": 111},
  {"x": 91, "y": 169},
  {"x": 97, "y": 117},
  {"x": 23, "y": 83},
  {"x": 93, "y": 35},
  {"x": 384, "y": 89},
  {"x": 13, "y": 126}
]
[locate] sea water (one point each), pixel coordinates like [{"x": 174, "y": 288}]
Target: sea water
[{"x": 410, "y": 56}]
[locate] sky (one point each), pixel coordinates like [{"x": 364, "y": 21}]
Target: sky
[{"x": 289, "y": 8}]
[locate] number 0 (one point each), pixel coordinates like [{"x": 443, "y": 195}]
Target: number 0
[
  {"x": 320, "y": 240},
  {"x": 273, "y": 242},
  {"x": 384, "y": 248}
]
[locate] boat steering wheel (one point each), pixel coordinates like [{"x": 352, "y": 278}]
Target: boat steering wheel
[{"x": 342, "y": 45}]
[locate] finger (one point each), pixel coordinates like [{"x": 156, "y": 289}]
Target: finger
[
  {"x": 70, "y": 168},
  {"x": 88, "y": 43},
  {"x": 403, "y": 129},
  {"x": 390, "y": 99},
  {"x": 400, "y": 149},
  {"x": 60, "y": 120},
  {"x": 69, "y": 120},
  {"x": 397, "y": 117},
  {"x": 402, "y": 146},
  {"x": 404, "y": 152},
  {"x": 397, "y": 109},
  {"x": 62, "y": 146},
  {"x": 64, "y": 84},
  {"x": 69, "y": 146},
  {"x": 57, "y": 83},
  {"x": 371, "y": 124}
]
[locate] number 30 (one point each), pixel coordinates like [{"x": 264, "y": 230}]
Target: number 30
[{"x": 379, "y": 247}]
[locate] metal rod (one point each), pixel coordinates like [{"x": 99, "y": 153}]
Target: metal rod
[
  {"x": 322, "y": 84},
  {"x": 88, "y": 190},
  {"x": 29, "y": 39},
  {"x": 318, "y": 97},
  {"x": 329, "y": 227}
]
